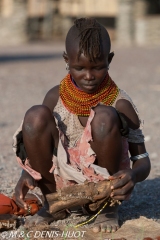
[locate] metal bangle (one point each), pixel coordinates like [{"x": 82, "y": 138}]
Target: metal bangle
[
  {"x": 135, "y": 158},
  {"x": 38, "y": 198}
]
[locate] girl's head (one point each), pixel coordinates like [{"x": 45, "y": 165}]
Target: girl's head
[{"x": 88, "y": 53}]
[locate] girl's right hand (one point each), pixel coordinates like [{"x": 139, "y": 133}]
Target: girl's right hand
[{"x": 25, "y": 183}]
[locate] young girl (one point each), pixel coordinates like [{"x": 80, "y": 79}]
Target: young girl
[{"x": 83, "y": 130}]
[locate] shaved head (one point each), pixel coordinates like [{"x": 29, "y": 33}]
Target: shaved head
[{"x": 88, "y": 37}]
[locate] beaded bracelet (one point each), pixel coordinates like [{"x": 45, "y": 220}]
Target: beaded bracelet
[
  {"x": 29, "y": 209},
  {"x": 135, "y": 158}
]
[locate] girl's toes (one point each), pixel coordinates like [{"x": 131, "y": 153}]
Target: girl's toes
[
  {"x": 109, "y": 229},
  {"x": 96, "y": 229},
  {"x": 103, "y": 228}
]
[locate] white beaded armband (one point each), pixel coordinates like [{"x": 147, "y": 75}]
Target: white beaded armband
[{"x": 135, "y": 158}]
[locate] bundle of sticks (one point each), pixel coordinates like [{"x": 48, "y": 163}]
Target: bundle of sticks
[{"x": 91, "y": 194}]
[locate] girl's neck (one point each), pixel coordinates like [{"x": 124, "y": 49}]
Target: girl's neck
[{"x": 75, "y": 83}]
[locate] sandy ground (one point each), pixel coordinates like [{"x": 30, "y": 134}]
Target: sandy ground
[{"x": 28, "y": 72}]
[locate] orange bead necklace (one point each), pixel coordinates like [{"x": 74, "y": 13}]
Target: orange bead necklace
[{"x": 80, "y": 103}]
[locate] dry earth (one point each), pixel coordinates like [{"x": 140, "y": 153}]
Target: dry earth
[{"x": 28, "y": 72}]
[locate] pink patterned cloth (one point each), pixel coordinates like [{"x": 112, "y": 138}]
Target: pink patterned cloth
[
  {"x": 27, "y": 167},
  {"x": 79, "y": 166},
  {"x": 76, "y": 164}
]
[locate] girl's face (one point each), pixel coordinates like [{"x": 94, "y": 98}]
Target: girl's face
[{"x": 88, "y": 75}]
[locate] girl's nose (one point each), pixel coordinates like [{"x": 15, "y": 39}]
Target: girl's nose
[{"x": 89, "y": 76}]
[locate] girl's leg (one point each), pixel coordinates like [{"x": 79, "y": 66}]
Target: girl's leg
[
  {"x": 107, "y": 141},
  {"x": 40, "y": 137},
  {"x": 107, "y": 144}
]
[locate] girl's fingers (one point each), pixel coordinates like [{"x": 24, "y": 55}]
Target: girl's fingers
[
  {"x": 124, "y": 197},
  {"x": 120, "y": 183},
  {"x": 20, "y": 192},
  {"x": 123, "y": 193},
  {"x": 21, "y": 203}
]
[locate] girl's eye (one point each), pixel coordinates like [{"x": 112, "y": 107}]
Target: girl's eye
[
  {"x": 78, "y": 68},
  {"x": 99, "y": 68}
]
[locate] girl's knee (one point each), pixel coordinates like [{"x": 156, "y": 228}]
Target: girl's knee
[
  {"x": 106, "y": 114},
  {"x": 106, "y": 120},
  {"x": 37, "y": 119}
]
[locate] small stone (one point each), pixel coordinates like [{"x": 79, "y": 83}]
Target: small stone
[
  {"x": 59, "y": 222},
  {"x": 147, "y": 138},
  {"x": 9, "y": 190},
  {"x": 153, "y": 155}
]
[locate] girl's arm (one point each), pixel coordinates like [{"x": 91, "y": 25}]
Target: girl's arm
[
  {"x": 51, "y": 98},
  {"x": 141, "y": 167}
]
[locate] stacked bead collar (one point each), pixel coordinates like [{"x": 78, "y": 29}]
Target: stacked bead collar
[{"x": 80, "y": 103}]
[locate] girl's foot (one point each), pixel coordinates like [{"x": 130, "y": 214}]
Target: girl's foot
[
  {"x": 107, "y": 221},
  {"x": 43, "y": 216}
]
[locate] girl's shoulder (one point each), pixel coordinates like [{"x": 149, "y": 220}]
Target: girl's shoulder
[
  {"x": 125, "y": 107},
  {"x": 51, "y": 98}
]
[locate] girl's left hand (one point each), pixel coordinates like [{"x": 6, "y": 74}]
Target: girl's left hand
[{"x": 123, "y": 188}]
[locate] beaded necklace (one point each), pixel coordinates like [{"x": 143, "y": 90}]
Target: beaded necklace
[{"x": 79, "y": 102}]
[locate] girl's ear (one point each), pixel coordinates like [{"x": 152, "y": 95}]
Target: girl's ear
[
  {"x": 65, "y": 56},
  {"x": 110, "y": 56}
]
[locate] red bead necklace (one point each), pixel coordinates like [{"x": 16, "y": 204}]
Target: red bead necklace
[{"x": 79, "y": 102}]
